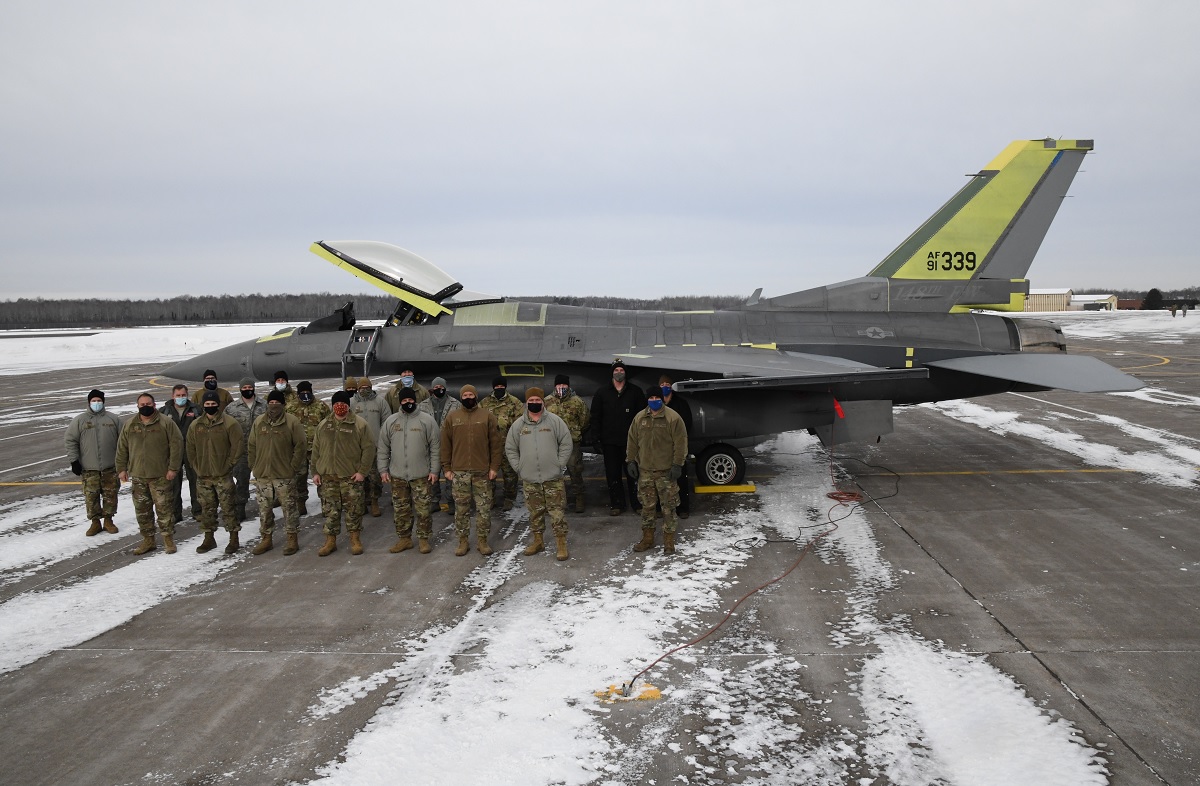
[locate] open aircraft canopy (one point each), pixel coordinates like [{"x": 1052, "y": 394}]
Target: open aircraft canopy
[{"x": 402, "y": 273}]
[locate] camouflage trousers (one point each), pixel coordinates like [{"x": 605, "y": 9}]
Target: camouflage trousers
[
  {"x": 151, "y": 496},
  {"x": 509, "y": 477},
  {"x": 407, "y": 496},
  {"x": 300, "y": 491},
  {"x": 472, "y": 486},
  {"x": 373, "y": 486},
  {"x": 656, "y": 487},
  {"x": 98, "y": 484},
  {"x": 575, "y": 470},
  {"x": 341, "y": 496},
  {"x": 547, "y": 499},
  {"x": 213, "y": 491},
  {"x": 281, "y": 492}
]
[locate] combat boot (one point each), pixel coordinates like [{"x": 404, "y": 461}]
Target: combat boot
[
  {"x": 169, "y": 542},
  {"x": 264, "y": 545},
  {"x": 423, "y": 545},
  {"x": 403, "y": 544},
  {"x": 234, "y": 543},
  {"x": 483, "y": 546},
  {"x": 463, "y": 546},
  {"x": 375, "y": 508},
  {"x": 535, "y": 545},
  {"x": 579, "y": 503},
  {"x": 329, "y": 547},
  {"x": 147, "y": 545},
  {"x": 292, "y": 545},
  {"x": 208, "y": 544},
  {"x": 668, "y": 543},
  {"x": 647, "y": 541},
  {"x": 109, "y": 527},
  {"x": 355, "y": 543},
  {"x": 92, "y": 530},
  {"x": 561, "y": 541}
]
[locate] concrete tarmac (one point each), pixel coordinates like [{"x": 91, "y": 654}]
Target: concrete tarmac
[{"x": 1081, "y": 581}]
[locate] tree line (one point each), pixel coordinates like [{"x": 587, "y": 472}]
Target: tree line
[{"x": 234, "y": 309}]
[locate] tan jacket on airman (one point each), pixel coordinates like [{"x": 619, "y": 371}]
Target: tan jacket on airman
[
  {"x": 343, "y": 447},
  {"x": 214, "y": 446},
  {"x": 276, "y": 449},
  {"x": 657, "y": 440},
  {"x": 149, "y": 450}
]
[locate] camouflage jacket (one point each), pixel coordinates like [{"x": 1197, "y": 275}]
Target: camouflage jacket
[
  {"x": 149, "y": 450},
  {"x": 245, "y": 413},
  {"x": 343, "y": 447},
  {"x": 309, "y": 416},
  {"x": 506, "y": 410},
  {"x": 215, "y": 446},
  {"x": 572, "y": 410}
]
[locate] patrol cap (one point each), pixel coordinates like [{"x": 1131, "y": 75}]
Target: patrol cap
[
  {"x": 499, "y": 381},
  {"x": 210, "y": 395},
  {"x": 341, "y": 397},
  {"x": 276, "y": 395},
  {"x": 437, "y": 382},
  {"x": 305, "y": 385},
  {"x": 467, "y": 389},
  {"x": 281, "y": 375},
  {"x": 95, "y": 394},
  {"x": 534, "y": 392},
  {"x": 562, "y": 379},
  {"x": 247, "y": 382},
  {"x": 406, "y": 393}
]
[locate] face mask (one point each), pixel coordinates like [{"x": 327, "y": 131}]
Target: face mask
[
  {"x": 274, "y": 410},
  {"x": 341, "y": 409},
  {"x": 366, "y": 394},
  {"x": 666, "y": 390},
  {"x": 408, "y": 406},
  {"x": 248, "y": 393},
  {"x": 407, "y": 381},
  {"x": 281, "y": 386},
  {"x": 535, "y": 406},
  {"x": 618, "y": 376},
  {"x": 97, "y": 406},
  {"x": 146, "y": 411},
  {"x": 469, "y": 402},
  {"x": 180, "y": 401},
  {"x": 439, "y": 392},
  {"x": 500, "y": 392},
  {"x": 561, "y": 390},
  {"x": 211, "y": 411},
  {"x": 211, "y": 384},
  {"x": 655, "y": 404},
  {"x": 306, "y": 397}
]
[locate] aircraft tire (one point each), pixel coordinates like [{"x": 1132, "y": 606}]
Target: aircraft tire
[{"x": 720, "y": 465}]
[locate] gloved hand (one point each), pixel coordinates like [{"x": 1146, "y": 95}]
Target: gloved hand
[
  {"x": 631, "y": 469},
  {"x": 675, "y": 471},
  {"x": 77, "y": 467}
]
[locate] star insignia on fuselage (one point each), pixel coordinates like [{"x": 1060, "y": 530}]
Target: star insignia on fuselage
[{"x": 876, "y": 332}]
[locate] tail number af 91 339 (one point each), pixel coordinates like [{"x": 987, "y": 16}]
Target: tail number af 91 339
[{"x": 950, "y": 260}]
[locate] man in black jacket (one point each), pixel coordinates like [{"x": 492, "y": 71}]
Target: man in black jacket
[
  {"x": 613, "y": 409},
  {"x": 184, "y": 414}
]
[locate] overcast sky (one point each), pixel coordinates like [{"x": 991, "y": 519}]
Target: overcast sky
[{"x": 611, "y": 148}]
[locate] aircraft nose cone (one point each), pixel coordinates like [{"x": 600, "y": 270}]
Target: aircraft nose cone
[{"x": 231, "y": 364}]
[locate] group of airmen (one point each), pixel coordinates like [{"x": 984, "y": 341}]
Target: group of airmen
[{"x": 435, "y": 451}]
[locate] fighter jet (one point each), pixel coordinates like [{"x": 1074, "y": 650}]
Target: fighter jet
[{"x": 834, "y": 360}]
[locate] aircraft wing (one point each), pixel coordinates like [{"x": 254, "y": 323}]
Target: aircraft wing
[
  {"x": 750, "y": 367},
  {"x": 1078, "y": 373}
]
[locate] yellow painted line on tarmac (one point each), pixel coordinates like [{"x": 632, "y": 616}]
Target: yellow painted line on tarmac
[
  {"x": 154, "y": 381},
  {"x": 42, "y": 483},
  {"x": 1162, "y": 361}
]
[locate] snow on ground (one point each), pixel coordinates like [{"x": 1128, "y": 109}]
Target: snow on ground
[{"x": 1157, "y": 326}]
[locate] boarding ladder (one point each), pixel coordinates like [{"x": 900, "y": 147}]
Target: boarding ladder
[{"x": 360, "y": 348}]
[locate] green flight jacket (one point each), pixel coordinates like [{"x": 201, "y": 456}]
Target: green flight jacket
[
  {"x": 343, "y": 447},
  {"x": 149, "y": 450},
  {"x": 215, "y": 446},
  {"x": 276, "y": 448}
]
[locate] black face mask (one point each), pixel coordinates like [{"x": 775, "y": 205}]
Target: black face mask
[
  {"x": 499, "y": 392},
  {"x": 211, "y": 384},
  {"x": 306, "y": 397},
  {"x": 146, "y": 411},
  {"x": 469, "y": 403},
  {"x": 408, "y": 406},
  {"x": 439, "y": 392},
  {"x": 247, "y": 394},
  {"x": 536, "y": 406},
  {"x": 211, "y": 410}
]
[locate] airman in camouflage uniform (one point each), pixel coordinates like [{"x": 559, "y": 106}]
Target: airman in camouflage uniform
[
  {"x": 284, "y": 386},
  {"x": 439, "y": 405},
  {"x": 276, "y": 450},
  {"x": 471, "y": 456},
  {"x": 310, "y": 411},
  {"x": 92, "y": 450},
  {"x": 409, "y": 458},
  {"x": 214, "y": 446},
  {"x": 343, "y": 453},
  {"x": 506, "y": 408},
  {"x": 654, "y": 455},
  {"x": 407, "y": 380},
  {"x": 373, "y": 409},
  {"x": 538, "y": 445},
  {"x": 570, "y": 407},
  {"x": 150, "y": 453},
  {"x": 245, "y": 411}
]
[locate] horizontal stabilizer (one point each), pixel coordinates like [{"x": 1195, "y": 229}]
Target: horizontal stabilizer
[{"x": 1046, "y": 370}]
